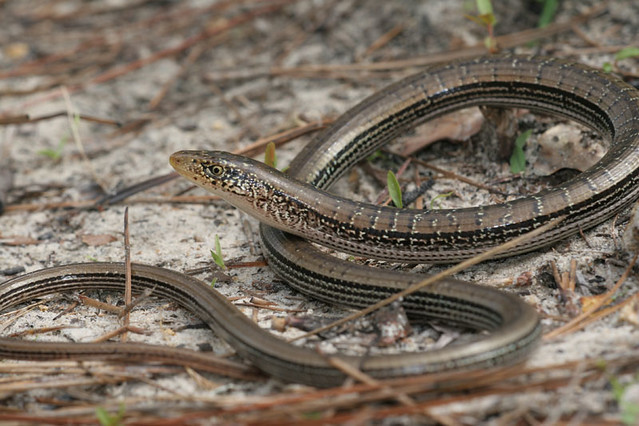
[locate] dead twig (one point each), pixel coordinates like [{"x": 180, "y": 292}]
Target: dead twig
[
  {"x": 578, "y": 322},
  {"x": 26, "y": 118},
  {"x": 127, "y": 273},
  {"x": 504, "y": 42}
]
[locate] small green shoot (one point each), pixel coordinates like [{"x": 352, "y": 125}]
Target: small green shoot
[
  {"x": 438, "y": 198},
  {"x": 375, "y": 155},
  {"x": 217, "y": 254},
  {"x": 55, "y": 153},
  {"x": 394, "y": 189},
  {"x": 629, "y": 410},
  {"x": 270, "y": 158},
  {"x": 601, "y": 364},
  {"x": 107, "y": 419},
  {"x": 313, "y": 415},
  {"x": 630, "y": 414},
  {"x": 548, "y": 12},
  {"x": 625, "y": 53},
  {"x": 617, "y": 388},
  {"x": 485, "y": 9},
  {"x": 486, "y": 18},
  {"x": 518, "y": 157}
]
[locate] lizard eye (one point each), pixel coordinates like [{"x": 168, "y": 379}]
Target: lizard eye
[{"x": 215, "y": 170}]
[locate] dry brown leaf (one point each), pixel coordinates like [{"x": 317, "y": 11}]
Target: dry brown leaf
[
  {"x": 202, "y": 381},
  {"x": 456, "y": 126},
  {"x": 630, "y": 312},
  {"x": 392, "y": 324},
  {"x": 561, "y": 146},
  {"x": 18, "y": 240},
  {"x": 16, "y": 50},
  {"x": 588, "y": 301}
]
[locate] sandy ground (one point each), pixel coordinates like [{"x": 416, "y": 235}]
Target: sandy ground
[{"x": 203, "y": 109}]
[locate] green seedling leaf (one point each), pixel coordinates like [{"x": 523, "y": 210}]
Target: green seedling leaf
[
  {"x": 518, "y": 157},
  {"x": 627, "y": 52},
  {"x": 484, "y": 7},
  {"x": 103, "y": 416},
  {"x": 483, "y": 20},
  {"x": 617, "y": 388},
  {"x": 629, "y": 410},
  {"x": 490, "y": 43},
  {"x": 313, "y": 415},
  {"x": 630, "y": 414},
  {"x": 217, "y": 254},
  {"x": 437, "y": 199},
  {"x": 375, "y": 155},
  {"x": 548, "y": 12},
  {"x": 486, "y": 15},
  {"x": 394, "y": 189},
  {"x": 54, "y": 153},
  {"x": 607, "y": 67},
  {"x": 486, "y": 21},
  {"x": 107, "y": 419},
  {"x": 270, "y": 158},
  {"x": 486, "y": 18}
]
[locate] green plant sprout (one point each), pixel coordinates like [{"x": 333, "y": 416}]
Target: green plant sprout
[
  {"x": 486, "y": 18},
  {"x": 625, "y": 53},
  {"x": 217, "y": 253},
  {"x": 437, "y": 199},
  {"x": 270, "y": 158},
  {"x": 107, "y": 419},
  {"x": 55, "y": 153},
  {"x": 394, "y": 189},
  {"x": 518, "y": 157},
  {"x": 548, "y": 12}
]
